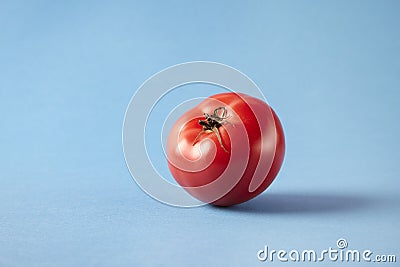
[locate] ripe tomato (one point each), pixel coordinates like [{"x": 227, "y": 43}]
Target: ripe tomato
[{"x": 226, "y": 150}]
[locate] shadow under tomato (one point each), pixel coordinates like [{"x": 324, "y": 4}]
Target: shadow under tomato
[{"x": 302, "y": 203}]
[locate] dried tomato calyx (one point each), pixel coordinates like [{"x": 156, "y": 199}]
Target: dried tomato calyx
[{"x": 212, "y": 123}]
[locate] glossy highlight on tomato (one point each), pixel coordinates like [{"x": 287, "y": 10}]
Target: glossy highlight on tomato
[{"x": 226, "y": 150}]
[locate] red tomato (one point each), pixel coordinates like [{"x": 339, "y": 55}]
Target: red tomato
[{"x": 226, "y": 150}]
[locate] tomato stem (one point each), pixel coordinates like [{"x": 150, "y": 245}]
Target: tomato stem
[{"x": 212, "y": 123}]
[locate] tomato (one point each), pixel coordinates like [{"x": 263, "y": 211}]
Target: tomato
[{"x": 226, "y": 150}]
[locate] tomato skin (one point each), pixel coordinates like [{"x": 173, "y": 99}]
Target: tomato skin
[
  {"x": 240, "y": 193},
  {"x": 195, "y": 163}
]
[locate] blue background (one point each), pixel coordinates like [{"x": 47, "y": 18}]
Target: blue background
[{"x": 69, "y": 68}]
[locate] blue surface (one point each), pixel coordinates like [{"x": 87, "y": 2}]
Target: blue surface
[{"x": 68, "y": 70}]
